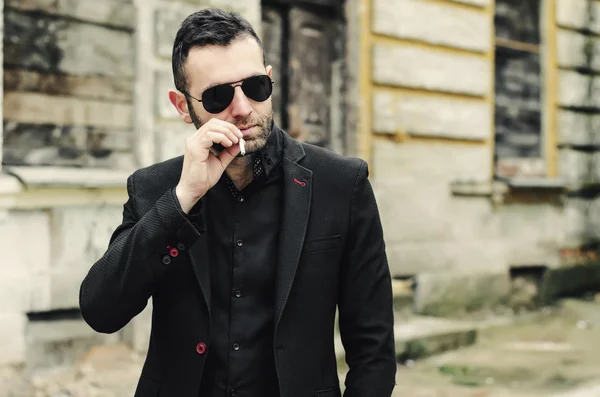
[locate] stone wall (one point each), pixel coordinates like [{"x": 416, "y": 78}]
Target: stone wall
[
  {"x": 432, "y": 102},
  {"x": 85, "y": 103},
  {"x": 432, "y": 119},
  {"x": 68, "y": 83},
  {"x": 579, "y": 107}
]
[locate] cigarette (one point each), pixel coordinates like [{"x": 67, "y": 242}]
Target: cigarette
[{"x": 242, "y": 147}]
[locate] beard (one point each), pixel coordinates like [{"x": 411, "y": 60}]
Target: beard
[{"x": 263, "y": 125}]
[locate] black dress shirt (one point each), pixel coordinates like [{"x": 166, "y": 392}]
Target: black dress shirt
[{"x": 243, "y": 232}]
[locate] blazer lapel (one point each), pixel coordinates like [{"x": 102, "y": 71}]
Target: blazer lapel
[
  {"x": 200, "y": 263},
  {"x": 297, "y": 193}
]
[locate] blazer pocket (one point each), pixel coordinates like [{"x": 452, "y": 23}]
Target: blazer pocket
[
  {"x": 333, "y": 392},
  {"x": 147, "y": 388},
  {"x": 322, "y": 243}
]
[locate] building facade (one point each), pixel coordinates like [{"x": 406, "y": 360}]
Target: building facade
[{"x": 476, "y": 119}]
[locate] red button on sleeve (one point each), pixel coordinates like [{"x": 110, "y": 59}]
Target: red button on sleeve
[
  {"x": 201, "y": 348},
  {"x": 174, "y": 252}
]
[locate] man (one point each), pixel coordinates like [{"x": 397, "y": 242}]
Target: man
[{"x": 246, "y": 257}]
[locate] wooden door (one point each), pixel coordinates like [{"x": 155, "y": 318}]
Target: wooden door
[{"x": 304, "y": 42}]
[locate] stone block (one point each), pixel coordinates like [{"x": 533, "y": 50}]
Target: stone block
[
  {"x": 577, "y": 167},
  {"x": 582, "y": 220},
  {"x": 422, "y": 115},
  {"x": 416, "y": 67},
  {"x": 164, "y": 108},
  {"x": 168, "y": 19},
  {"x": 430, "y": 163},
  {"x": 480, "y": 3},
  {"x": 15, "y": 293},
  {"x": 90, "y": 87},
  {"x": 533, "y": 233},
  {"x": 568, "y": 281},
  {"x": 67, "y": 46},
  {"x": 137, "y": 332},
  {"x": 115, "y": 161},
  {"x": 576, "y": 90},
  {"x": 571, "y": 50},
  {"x": 575, "y": 128},
  {"x": 25, "y": 243},
  {"x": 412, "y": 19},
  {"x": 64, "y": 287},
  {"x": 169, "y": 16},
  {"x": 464, "y": 255},
  {"x": 80, "y": 235},
  {"x": 58, "y": 343},
  {"x": 422, "y": 213},
  {"x": 12, "y": 338},
  {"x": 26, "y": 107},
  {"x": 446, "y": 294},
  {"x": 412, "y": 186},
  {"x": 79, "y": 238},
  {"x": 573, "y": 14},
  {"x": 45, "y": 144},
  {"x": 117, "y": 13},
  {"x": 448, "y": 339},
  {"x": 385, "y": 113}
]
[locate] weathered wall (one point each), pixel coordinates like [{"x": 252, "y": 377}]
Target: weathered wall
[
  {"x": 431, "y": 123},
  {"x": 86, "y": 85},
  {"x": 432, "y": 119},
  {"x": 68, "y": 83}
]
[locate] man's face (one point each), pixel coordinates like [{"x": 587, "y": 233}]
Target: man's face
[{"x": 208, "y": 66}]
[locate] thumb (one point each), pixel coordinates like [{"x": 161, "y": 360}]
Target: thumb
[{"x": 227, "y": 155}]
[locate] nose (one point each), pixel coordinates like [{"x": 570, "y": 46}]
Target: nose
[{"x": 240, "y": 105}]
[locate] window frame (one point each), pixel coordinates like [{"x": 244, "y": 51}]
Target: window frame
[{"x": 544, "y": 165}]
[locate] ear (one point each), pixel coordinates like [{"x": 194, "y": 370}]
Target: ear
[
  {"x": 270, "y": 71},
  {"x": 179, "y": 102}
]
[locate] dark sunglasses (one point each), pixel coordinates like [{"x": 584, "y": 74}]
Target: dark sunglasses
[{"x": 216, "y": 99}]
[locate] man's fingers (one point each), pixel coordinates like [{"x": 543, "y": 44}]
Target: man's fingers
[
  {"x": 227, "y": 155},
  {"x": 211, "y": 138},
  {"x": 234, "y": 130}
]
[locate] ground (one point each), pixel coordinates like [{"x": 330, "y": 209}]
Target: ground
[{"x": 554, "y": 354}]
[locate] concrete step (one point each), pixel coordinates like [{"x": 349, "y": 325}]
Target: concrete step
[{"x": 421, "y": 336}]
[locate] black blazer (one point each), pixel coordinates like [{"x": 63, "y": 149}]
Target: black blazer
[{"x": 332, "y": 253}]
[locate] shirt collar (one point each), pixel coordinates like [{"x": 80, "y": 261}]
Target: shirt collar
[{"x": 272, "y": 153}]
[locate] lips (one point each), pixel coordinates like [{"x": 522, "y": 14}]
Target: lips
[{"x": 246, "y": 130}]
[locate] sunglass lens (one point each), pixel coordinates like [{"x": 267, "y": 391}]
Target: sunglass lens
[
  {"x": 258, "y": 88},
  {"x": 216, "y": 99}
]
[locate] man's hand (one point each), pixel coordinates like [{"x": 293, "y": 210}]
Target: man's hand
[{"x": 202, "y": 169}]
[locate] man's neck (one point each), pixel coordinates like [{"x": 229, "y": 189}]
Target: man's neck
[{"x": 240, "y": 171}]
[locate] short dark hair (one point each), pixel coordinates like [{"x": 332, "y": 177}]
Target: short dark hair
[{"x": 210, "y": 26}]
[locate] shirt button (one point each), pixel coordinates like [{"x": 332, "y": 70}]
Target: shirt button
[
  {"x": 181, "y": 246},
  {"x": 166, "y": 260},
  {"x": 236, "y": 347},
  {"x": 238, "y": 293},
  {"x": 241, "y": 199},
  {"x": 239, "y": 243}
]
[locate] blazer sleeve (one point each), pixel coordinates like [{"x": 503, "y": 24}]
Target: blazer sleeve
[
  {"x": 118, "y": 285},
  {"x": 366, "y": 303}
]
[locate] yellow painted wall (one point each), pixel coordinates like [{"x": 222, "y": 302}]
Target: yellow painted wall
[{"x": 368, "y": 87}]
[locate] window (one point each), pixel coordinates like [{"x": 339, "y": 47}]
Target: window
[{"x": 518, "y": 94}]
